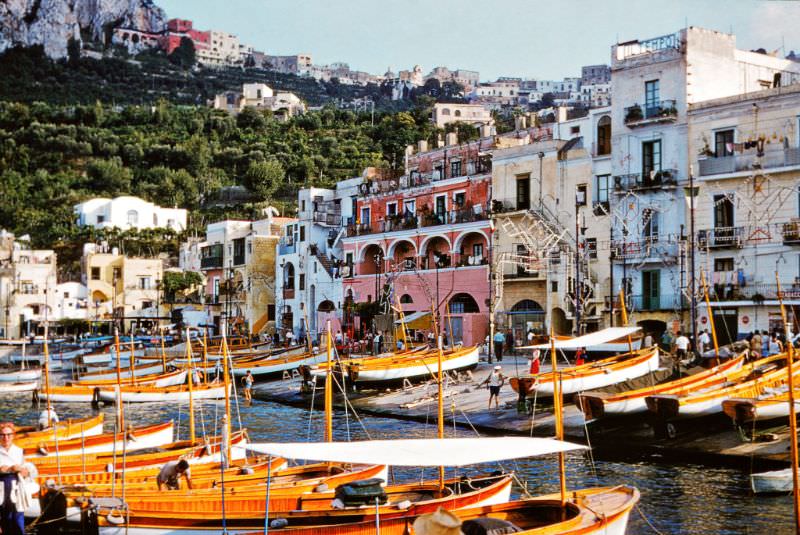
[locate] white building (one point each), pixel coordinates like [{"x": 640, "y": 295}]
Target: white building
[
  {"x": 129, "y": 213},
  {"x": 71, "y": 301},
  {"x": 260, "y": 96},
  {"x": 474, "y": 114},
  {"x": 223, "y": 50},
  {"x": 310, "y": 260}
]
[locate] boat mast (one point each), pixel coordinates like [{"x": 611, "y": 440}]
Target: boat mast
[
  {"x": 710, "y": 317},
  {"x": 191, "y": 386},
  {"x": 792, "y": 419},
  {"x": 559, "y": 417},
  {"x": 163, "y": 352},
  {"x": 440, "y": 406},
  {"x": 47, "y": 376},
  {"x": 120, "y": 415},
  {"x": 227, "y": 384},
  {"x": 624, "y": 311},
  {"x": 205, "y": 353},
  {"x": 132, "y": 364},
  {"x": 329, "y": 389},
  {"x": 309, "y": 345}
]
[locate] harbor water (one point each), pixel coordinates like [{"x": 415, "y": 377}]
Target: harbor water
[{"x": 675, "y": 498}]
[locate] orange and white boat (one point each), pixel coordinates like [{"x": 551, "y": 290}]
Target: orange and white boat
[
  {"x": 597, "y": 405},
  {"x": 150, "y": 394},
  {"x": 85, "y": 391},
  {"x": 138, "y": 438},
  {"x": 769, "y": 407},
  {"x": 410, "y": 365},
  {"x": 68, "y": 429},
  {"x": 275, "y": 365}
]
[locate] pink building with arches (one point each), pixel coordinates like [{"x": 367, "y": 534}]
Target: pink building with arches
[{"x": 426, "y": 237}]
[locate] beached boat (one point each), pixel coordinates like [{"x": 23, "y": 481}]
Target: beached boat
[
  {"x": 25, "y": 375},
  {"x": 276, "y": 365},
  {"x": 769, "y": 407},
  {"x": 87, "y": 391},
  {"x": 752, "y": 381},
  {"x": 411, "y": 366},
  {"x": 597, "y": 405},
  {"x": 137, "y": 438},
  {"x": 589, "y": 376},
  {"x": 111, "y": 373},
  {"x": 173, "y": 378},
  {"x": 10, "y": 388},
  {"x": 774, "y": 482},
  {"x": 149, "y": 394},
  {"x": 68, "y": 429}
]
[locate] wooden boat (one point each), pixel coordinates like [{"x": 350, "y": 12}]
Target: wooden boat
[
  {"x": 111, "y": 373},
  {"x": 9, "y": 388},
  {"x": 770, "y": 407},
  {"x": 68, "y": 429},
  {"x": 20, "y": 376},
  {"x": 413, "y": 366},
  {"x": 149, "y": 394},
  {"x": 85, "y": 392},
  {"x": 750, "y": 382},
  {"x": 173, "y": 378},
  {"x": 139, "y": 438},
  {"x": 276, "y": 365},
  {"x": 597, "y": 405},
  {"x": 591, "y": 375},
  {"x": 774, "y": 482}
]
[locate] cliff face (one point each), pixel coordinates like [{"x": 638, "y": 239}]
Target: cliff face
[{"x": 52, "y": 23}]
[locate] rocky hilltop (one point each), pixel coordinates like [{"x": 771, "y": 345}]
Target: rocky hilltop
[{"x": 51, "y": 23}]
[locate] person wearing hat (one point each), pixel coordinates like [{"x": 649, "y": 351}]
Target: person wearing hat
[
  {"x": 13, "y": 473},
  {"x": 442, "y": 522},
  {"x": 495, "y": 381}
]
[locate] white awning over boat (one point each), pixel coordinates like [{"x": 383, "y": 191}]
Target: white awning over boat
[
  {"x": 589, "y": 340},
  {"x": 417, "y": 452},
  {"x": 409, "y": 318}
]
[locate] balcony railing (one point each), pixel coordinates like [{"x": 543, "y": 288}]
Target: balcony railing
[
  {"x": 663, "y": 111},
  {"x": 211, "y": 262},
  {"x": 330, "y": 219},
  {"x": 664, "y": 178},
  {"x": 238, "y": 259},
  {"x": 721, "y": 237},
  {"x": 662, "y": 247},
  {"x": 408, "y": 222},
  {"x": 745, "y": 162},
  {"x": 791, "y": 232},
  {"x": 752, "y": 292},
  {"x": 659, "y": 302}
]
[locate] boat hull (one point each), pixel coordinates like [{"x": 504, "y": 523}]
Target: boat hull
[
  {"x": 775, "y": 482},
  {"x": 132, "y": 395},
  {"x": 414, "y": 371}
]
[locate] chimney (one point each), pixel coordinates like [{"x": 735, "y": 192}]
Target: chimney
[
  {"x": 451, "y": 139},
  {"x": 561, "y": 114},
  {"x": 422, "y": 145}
]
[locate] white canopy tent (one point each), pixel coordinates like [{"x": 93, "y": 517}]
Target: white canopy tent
[
  {"x": 418, "y": 452},
  {"x": 588, "y": 340}
]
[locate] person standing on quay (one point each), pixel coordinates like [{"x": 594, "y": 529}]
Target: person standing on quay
[
  {"x": 499, "y": 340},
  {"x": 14, "y": 471},
  {"x": 495, "y": 381}
]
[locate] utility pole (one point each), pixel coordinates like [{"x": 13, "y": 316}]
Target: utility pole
[{"x": 693, "y": 312}]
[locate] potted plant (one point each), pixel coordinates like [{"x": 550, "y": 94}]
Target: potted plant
[{"x": 634, "y": 113}]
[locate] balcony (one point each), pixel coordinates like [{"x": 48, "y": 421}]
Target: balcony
[
  {"x": 453, "y": 217},
  {"x": 652, "y": 247},
  {"x": 652, "y": 303},
  {"x": 665, "y": 111},
  {"x": 721, "y": 237},
  {"x": 756, "y": 293},
  {"x": 663, "y": 178},
  {"x": 286, "y": 247},
  {"x": 773, "y": 159},
  {"x": 238, "y": 259},
  {"x": 408, "y": 222},
  {"x": 328, "y": 219},
  {"x": 288, "y": 293},
  {"x": 211, "y": 262},
  {"x": 791, "y": 232}
]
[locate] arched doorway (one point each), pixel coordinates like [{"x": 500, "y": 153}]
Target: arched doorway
[
  {"x": 526, "y": 315},
  {"x": 654, "y": 328},
  {"x": 561, "y": 325}
]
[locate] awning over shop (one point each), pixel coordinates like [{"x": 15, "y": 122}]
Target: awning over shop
[{"x": 416, "y": 320}]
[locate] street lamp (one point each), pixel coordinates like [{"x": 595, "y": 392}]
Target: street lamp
[{"x": 541, "y": 180}]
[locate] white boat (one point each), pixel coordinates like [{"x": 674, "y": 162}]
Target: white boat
[
  {"x": 775, "y": 482},
  {"x": 7, "y": 388},
  {"x": 21, "y": 376},
  {"x": 111, "y": 373},
  {"x": 278, "y": 364},
  {"x": 145, "y": 394},
  {"x": 387, "y": 369},
  {"x": 133, "y": 439}
]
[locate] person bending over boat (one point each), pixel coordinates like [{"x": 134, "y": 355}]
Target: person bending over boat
[
  {"x": 171, "y": 473},
  {"x": 48, "y": 418},
  {"x": 14, "y": 472}
]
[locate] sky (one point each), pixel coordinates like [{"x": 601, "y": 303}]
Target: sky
[{"x": 544, "y": 39}]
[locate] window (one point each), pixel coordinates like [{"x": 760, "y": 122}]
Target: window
[
  {"x": 410, "y": 207},
  {"x": 147, "y": 304},
  {"x": 575, "y": 130},
  {"x": 651, "y": 97},
  {"x": 438, "y": 172},
  {"x": 27, "y": 287},
  {"x": 580, "y": 195},
  {"x": 455, "y": 168},
  {"x": 348, "y": 259},
  {"x": 101, "y": 219},
  {"x": 523, "y": 192},
  {"x": 601, "y": 190},
  {"x": 650, "y": 225},
  {"x": 302, "y": 233},
  {"x": 460, "y": 199},
  {"x": 301, "y": 283},
  {"x": 216, "y": 288},
  {"x": 477, "y": 250},
  {"x": 723, "y": 143},
  {"x": 723, "y": 211},
  {"x": 723, "y": 264},
  {"x": 365, "y": 213},
  {"x": 155, "y": 220},
  {"x": 171, "y": 223},
  {"x": 117, "y": 273},
  {"x": 95, "y": 273},
  {"x": 144, "y": 283},
  {"x": 604, "y": 136},
  {"x": 522, "y": 255},
  {"x": 591, "y": 248},
  {"x": 66, "y": 295},
  {"x": 553, "y": 286},
  {"x": 651, "y": 160},
  {"x": 391, "y": 208},
  {"x": 133, "y": 218},
  {"x": 440, "y": 205}
]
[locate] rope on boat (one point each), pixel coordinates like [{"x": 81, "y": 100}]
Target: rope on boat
[
  {"x": 647, "y": 520},
  {"x": 311, "y": 410}
]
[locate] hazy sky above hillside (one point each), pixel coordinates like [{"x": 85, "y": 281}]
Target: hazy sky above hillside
[{"x": 528, "y": 38}]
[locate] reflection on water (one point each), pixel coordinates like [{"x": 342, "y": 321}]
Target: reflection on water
[{"x": 677, "y": 498}]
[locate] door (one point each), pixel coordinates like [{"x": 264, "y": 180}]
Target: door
[
  {"x": 650, "y": 289},
  {"x": 457, "y": 336},
  {"x": 726, "y": 325},
  {"x": 523, "y": 193},
  {"x": 724, "y": 233}
]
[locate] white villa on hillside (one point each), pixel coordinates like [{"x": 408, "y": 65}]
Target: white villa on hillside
[{"x": 128, "y": 213}]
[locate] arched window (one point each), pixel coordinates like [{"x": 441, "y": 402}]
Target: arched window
[
  {"x": 288, "y": 277},
  {"x": 326, "y": 306},
  {"x": 133, "y": 218},
  {"x": 463, "y": 304},
  {"x": 458, "y": 113},
  {"x": 445, "y": 111},
  {"x": 604, "y": 135},
  {"x": 405, "y": 299}
]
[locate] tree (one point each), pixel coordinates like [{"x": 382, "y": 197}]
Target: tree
[
  {"x": 184, "y": 54},
  {"x": 179, "y": 281},
  {"x": 264, "y": 177}
]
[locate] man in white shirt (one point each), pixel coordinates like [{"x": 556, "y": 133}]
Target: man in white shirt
[
  {"x": 12, "y": 468},
  {"x": 704, "y": 341},
  {"x": 495, "y": 381},
  {"x": 681, "y": 349},
  {"x": 48, "y": 418},
  {"x": 171, "y": 473}
]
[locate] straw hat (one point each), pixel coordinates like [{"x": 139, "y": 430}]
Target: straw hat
[
  {"x": 498, "y": 367},
  {"x": 442, "y": 522}
]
